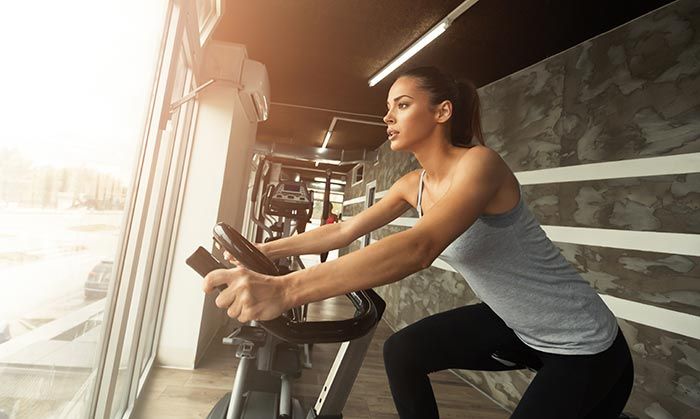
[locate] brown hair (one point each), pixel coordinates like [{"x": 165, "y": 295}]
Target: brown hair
[{"x": 465, "y": 122}]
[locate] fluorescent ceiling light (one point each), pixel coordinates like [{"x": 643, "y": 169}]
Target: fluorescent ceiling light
[
  {"x": 424, "y": 40},
  {"x": 323, "y": 179},
  {"x": 410, "y": 52},
  {"x": 327, "y": 139}
]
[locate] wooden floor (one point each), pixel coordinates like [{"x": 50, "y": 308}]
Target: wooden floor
[{"x": 171, "y": 393}]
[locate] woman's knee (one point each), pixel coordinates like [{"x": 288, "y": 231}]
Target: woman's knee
[
  {"x": 401, "y": 349},
  {"x": 392, "y": 347}
]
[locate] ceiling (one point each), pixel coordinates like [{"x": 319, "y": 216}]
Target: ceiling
[{"x": 320, "y": 54}]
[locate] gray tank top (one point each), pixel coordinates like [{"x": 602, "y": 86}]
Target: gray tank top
[{"x": 513, "y": 267}]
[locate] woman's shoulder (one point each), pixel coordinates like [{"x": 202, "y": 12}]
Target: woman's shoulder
[
  {"x": 407, "y": 185},
  {"x": 487, "y": 166},
  {"x": 478, "y": 151},
  {"x": 409, "y": 179},
  {"x": 482, "y": 157}
]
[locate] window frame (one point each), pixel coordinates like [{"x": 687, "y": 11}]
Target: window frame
[
  {"x": 354, "y": 174},
  {"x": 147, "y": 239}
]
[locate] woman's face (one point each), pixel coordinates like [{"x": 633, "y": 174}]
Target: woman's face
[{"x": 410, "y": 117}]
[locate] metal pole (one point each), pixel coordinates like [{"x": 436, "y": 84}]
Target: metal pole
[
  {"x": 235, "y": 407},
  {"x": 285, "y": 397},
  {"x": 326, "y": 207}
]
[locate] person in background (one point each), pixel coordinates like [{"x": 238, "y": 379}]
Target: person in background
[{"x": 332, "y": 218}]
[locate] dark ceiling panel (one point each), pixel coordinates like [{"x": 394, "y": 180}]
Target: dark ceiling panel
[
  {"x": 354, "y": 136},
  {"x": 321, "y": 53},
  {"x": 295, "y": 126}
]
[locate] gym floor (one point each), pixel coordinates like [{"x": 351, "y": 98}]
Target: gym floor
[{"x": 190, "y": 394}]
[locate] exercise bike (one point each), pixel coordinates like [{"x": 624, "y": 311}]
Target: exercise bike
[{"x": 268, "y": 351}]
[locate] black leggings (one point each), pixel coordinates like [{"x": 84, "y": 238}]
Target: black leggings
[{"x": 566, "y": 386}]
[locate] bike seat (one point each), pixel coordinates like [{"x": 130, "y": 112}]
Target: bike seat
[{"x": 517, "y": 360}]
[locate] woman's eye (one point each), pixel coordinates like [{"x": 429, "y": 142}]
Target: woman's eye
[{"x": 403, "y": 105}]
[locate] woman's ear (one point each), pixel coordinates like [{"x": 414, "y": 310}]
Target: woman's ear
[{"x": 443, "y": 111}]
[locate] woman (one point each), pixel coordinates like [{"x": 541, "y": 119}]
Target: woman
[{"x": 471, "y": 214}]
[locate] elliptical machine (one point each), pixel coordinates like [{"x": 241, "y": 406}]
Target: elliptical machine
[
  {"x": 292, "y": 203},
  {"x": 279, "y": 207},
  {"x": 283, "y": 206},
  {"x": 268, "y": 350}
]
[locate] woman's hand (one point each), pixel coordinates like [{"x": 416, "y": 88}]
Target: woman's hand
[
  {"x": 229, "y": 257},
  {"x": 248, "y": 294}
]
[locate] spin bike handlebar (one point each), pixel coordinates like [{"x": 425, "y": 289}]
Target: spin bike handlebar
[{"x": 368, "y": 304}]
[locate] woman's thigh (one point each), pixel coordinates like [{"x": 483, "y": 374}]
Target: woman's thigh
[
  {"x": 572, "y": 386},
  {"x": 462, "y": 338}
]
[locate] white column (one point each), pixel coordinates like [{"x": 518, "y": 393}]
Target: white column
[{"x": 219, "y": 168}]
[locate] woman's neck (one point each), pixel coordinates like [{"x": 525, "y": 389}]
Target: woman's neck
[{"x": 437, "y": 157}]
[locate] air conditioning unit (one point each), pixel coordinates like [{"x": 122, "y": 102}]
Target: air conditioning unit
[{"x": 255, "y": 91}]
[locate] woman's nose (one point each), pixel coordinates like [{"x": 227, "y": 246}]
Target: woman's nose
[{"x": 388, "y": 118}]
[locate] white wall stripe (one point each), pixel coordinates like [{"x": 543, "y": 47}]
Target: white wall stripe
[
  {"x": 660, "y": 318},
  {"x": 651, "y": 166},
  {"x": 646, "y": 241},
  {"x": 379, "y": 195},
  {"x": 357, "y": 200},
  {"x": 649, "y": 315},
  {"x": 650, "y": 241},
  {"x": 404, "y": 221}
]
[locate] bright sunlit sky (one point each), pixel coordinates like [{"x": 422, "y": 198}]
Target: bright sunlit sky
[{"x": 76, "y": 79}]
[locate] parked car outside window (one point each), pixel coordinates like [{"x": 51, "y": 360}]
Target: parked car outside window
[
  {"x": 4, "y": 332},
  {"x": 98, "y": 279}
]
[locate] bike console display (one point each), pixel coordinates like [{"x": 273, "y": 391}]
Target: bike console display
[{"x": 289, "y": 199}]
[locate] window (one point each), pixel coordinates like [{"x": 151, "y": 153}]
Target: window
[
  {"x": 147, "y": 251},
  {"x": 358, "y": 174},
  {"x": 66, "y": 190}
]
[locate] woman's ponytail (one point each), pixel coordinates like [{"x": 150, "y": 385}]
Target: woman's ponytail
[{"x": 467, "y": 124}]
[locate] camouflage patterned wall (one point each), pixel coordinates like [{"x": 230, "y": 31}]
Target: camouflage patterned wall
[{"x": 631, "y": 93}]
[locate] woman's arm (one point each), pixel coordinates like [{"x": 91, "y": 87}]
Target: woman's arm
[
  {"x": 479, "y": 176},
  {"x": 249, "y": 296},
  {"x": 322, "y": 239},
  {"x": 380, "y": 263},
  {"x": 337, "y": 235}
]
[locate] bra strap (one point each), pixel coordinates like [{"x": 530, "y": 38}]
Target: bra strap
[{"x": 420, "y": 194}]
